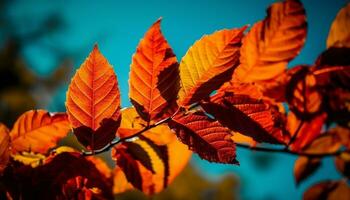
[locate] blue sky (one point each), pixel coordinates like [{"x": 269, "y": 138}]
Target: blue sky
[{"x": 117, "y": 26}]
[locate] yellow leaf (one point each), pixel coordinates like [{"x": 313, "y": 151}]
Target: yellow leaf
[{"x": 29, "y": 158}]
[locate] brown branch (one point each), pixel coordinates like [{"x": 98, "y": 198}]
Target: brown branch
[
  {"x": 119, "y": 140},
  {"x": 287, "y": 151}
]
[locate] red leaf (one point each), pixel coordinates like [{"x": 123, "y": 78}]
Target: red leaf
[
  {"x": 248, "y": 116},
  {"x": 205, "y": 136},
  {"x": 4, "y": 146},
  {"x": 129, "y": 165},
  {"x": 308, "y": 131}
]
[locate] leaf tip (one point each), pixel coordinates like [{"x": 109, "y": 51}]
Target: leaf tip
[{"x": 95, "y": 48}]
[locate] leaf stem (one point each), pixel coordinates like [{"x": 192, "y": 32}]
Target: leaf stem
[{"x": 295, "y": 135}]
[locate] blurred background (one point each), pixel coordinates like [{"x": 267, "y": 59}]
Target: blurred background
[{"x": 43, "y": 42}]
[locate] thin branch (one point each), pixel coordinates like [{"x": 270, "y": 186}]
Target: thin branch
[
  {"x": 287, "y": 151},
  {"x": 119, "y": 140},
  {"x": 295, "y": 134}
]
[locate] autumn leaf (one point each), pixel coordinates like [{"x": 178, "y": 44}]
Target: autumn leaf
[
  {"x": 52, "y": 179},
  {"x": 38, "y": 130},
  {"x": 307, "y": 131},
  {"x": 4, "y": 147},
  {"x": 343, "y": 134},
  {"x": 339, "y": 33},
  {"x": 334, "y": 56},
  {"x": 329, "y": 190},
  {"x": 276, "y": 88},
  {"x": 243, "y": 139},
  {"x": 157, "y": 156},
  {"x": 93, "y": 102},
  {"x": 78, "y": 188},
  {"x": 29, "y": 158},
  {"x": 334, "y": 76},
  {"x": 334, "y": 86},
  {"x": 208, "y": 64},
  {"x": 129, "y": 165},
  {"x": 121, "y": 183},
  {"x": 154, "y": 76},
  {"x": 272, "y": 43},
  {"x": 323, "y": 144},
  {"x": 342, "y": 163},
  {"x": 249, "y": 116},
  {"x": 303, "y": 95},
  {"x": 304, "y": 167},
  {"x": 205, "y": 136}
]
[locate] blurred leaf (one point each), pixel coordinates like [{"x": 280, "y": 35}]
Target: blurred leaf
[
  {"x": 328, "y": 190},
  {"x": 29, "y": 158},
  {"x": 4, "y": 147},
  {"x": 339, "y": 33},
  {"x": 308, "y": 131},
  {"x": 325, "y": 143},
  {"x": 303, "y": 96},
  {"x": 272, "y": 43},
  {"x": 38, "y": 130},
  {"x": 342, "y": 163},
  {"x": 304, "y": 167}
]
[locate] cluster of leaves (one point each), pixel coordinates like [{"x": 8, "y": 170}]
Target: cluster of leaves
[{"x": 230, "y": 89}]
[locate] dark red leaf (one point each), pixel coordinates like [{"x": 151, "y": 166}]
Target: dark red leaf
[
  {"x": 249, "y": 116},
  {"x": 205, "y": 136}
]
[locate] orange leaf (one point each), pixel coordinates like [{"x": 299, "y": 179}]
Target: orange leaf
[
  {"x": 325, "y": 143},
  {"x": 276, "y": 88},
  {"x": 243, "y": 139},
  {"x": 249, "y": 116},
  {"x": 38, "y": 131},
  {"x": 208, "y": 64},
  {"x": 308, "y": 131},
  {"x": 4, "y": 147},
  {"x": 342, "y": 163},
  {"x": 93, "y": 102},
  {"x": 304, "y": 167},
  {"x": 303, "y": 94},
  {"x": 154, "y": 75},
  {"x": 330, "y": 190},
  {"x": 205, "y": 136},
  {"x": 272, "y": 43},
  {"x": 121, "y": 183},
  {"x": 339, "y": 33}
]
